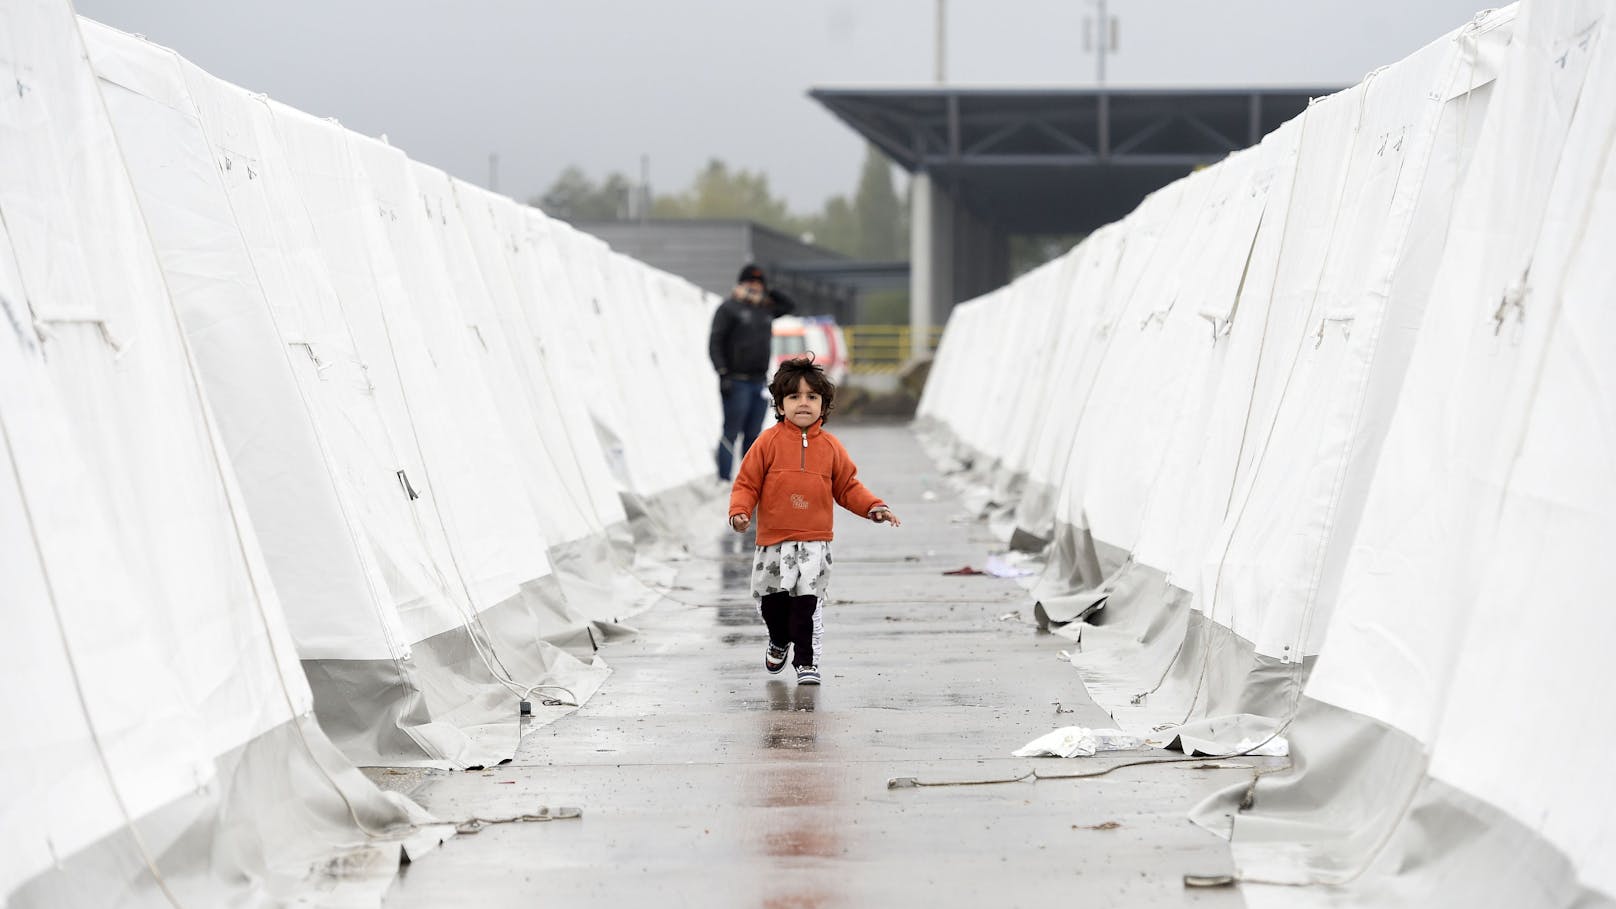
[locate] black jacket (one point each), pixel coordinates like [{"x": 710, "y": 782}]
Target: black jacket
[{"x": 740, "y": 341}]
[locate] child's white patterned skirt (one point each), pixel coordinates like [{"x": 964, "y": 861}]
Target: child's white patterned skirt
[{"x": 798, "y": 568}]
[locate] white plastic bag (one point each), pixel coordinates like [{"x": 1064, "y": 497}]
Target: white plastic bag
[
  {"x": 1078, "y": 741},
  {"x": 1000, "y": 567}
]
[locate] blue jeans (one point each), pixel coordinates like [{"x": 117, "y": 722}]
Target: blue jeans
[{"x": 744, "y": 407}]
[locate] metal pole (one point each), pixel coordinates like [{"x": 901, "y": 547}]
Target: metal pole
[
  {"x": 645, "y": 188},
  {"x": 1102, "y": 40},
  {"x": 922, "y": 252},
  {"x": 940, "y": 56}
]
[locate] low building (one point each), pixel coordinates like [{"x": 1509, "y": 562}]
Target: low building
[{"x": 709, "y": 253}]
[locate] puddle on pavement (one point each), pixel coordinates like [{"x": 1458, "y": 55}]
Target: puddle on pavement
[
  {"x": 740, "y": 616},
  {"x": 789, "y": 723},
  {"x": 735, "y": 562},
  {"x": 798, "y": 839}
]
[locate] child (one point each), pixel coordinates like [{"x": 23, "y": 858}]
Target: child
[{"x": 791, "y": 476}]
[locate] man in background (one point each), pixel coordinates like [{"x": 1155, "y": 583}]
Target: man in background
[{"x": 740, "y": 348}]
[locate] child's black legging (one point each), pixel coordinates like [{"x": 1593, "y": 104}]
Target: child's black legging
[{"x": 791, "y": 620}]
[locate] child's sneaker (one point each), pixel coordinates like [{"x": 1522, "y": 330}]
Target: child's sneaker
[
  {"x": 807, "y": 675},
  {"x": 774, "y": 660}
]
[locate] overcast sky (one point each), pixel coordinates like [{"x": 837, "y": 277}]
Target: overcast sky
[{"x": 597, "y": 83}]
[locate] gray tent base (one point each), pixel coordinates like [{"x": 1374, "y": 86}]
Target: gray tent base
[
  {"x": 272, "y": 820},
  {"x": 445, "y": 705},
  {"x": 1141, "y": 644},
  {"x": 1335, "y": 818}
]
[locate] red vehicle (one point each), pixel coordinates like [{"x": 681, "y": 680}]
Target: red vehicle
[{"x": 819, "y": 335}]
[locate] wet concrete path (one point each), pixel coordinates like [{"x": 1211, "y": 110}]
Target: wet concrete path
[{"x": 705, "y": 782}]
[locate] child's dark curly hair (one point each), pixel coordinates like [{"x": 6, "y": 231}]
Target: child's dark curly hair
[{"x": 802, "y": 369}]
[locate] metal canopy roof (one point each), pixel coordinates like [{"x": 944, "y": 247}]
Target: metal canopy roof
[{"x": 1051, "y": 161}]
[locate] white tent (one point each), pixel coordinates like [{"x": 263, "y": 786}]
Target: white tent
[
  {"x": 1233, "y": 376},
  {"x": 163, "y": 746},
  {"x": 1469, "y": 625},
  {"x": 387, "y": 586},
  {"x": 638, "y": 346},
  {"x": 539, "y": 313},
  {"x": 294, "y": 428},
  {"x": 1322, "y": 400},
  {"x": 561, "y": 466}
]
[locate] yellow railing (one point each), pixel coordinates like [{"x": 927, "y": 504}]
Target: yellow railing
[{"x": 881, "y": 348}]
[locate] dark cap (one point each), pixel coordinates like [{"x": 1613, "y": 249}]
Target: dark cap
[{"x": 752, "y": 273}]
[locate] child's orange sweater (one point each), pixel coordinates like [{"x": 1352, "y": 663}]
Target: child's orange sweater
[{"x": 792, "y": 476}]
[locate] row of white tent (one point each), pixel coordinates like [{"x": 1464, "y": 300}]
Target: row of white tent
[
  {"x": 313, "y": 457},
  {"x": 1319, "y": 445}
]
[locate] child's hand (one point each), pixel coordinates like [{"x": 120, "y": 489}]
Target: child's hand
[
  {"x": 884, "y": 515},
  {"x": 740, "y": 522}
]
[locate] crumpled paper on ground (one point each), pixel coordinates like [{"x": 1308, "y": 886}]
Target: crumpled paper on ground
[{"x": 1079, "y": 741}]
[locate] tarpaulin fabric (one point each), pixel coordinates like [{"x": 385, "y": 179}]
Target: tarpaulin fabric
[
  {"x": 156, "y": 691},
  {"x": 284, "y": 444},
  {"x": 295, "y": 454},
  {"x": 536, "y": 309},
  {"x": 1242, "y": 365},
  {"x": 1334, "y": 402},
  {"x": 1467, "y": 635}
]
